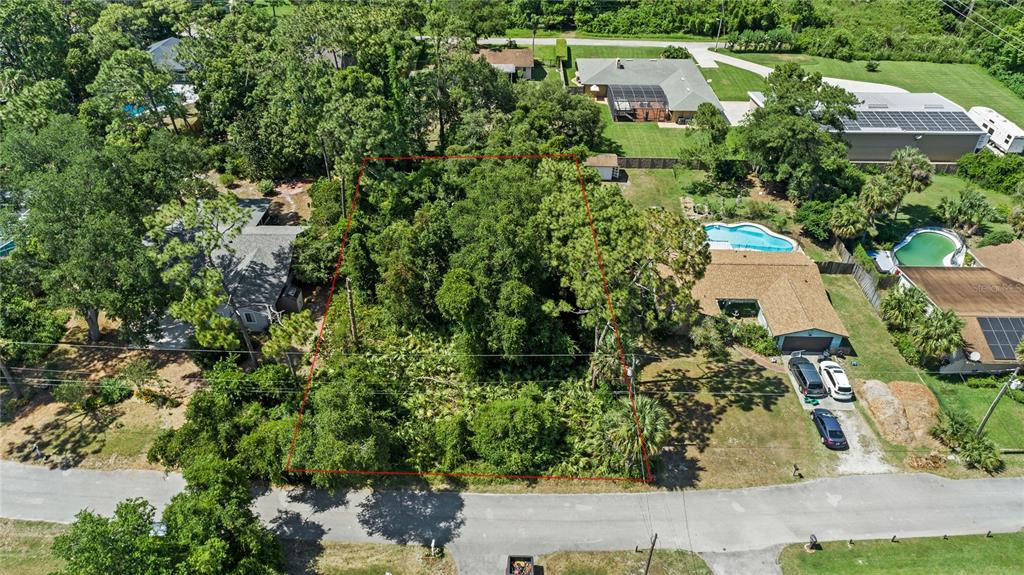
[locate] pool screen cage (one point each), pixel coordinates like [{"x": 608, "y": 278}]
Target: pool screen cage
[{"x": 638, "y": 103}]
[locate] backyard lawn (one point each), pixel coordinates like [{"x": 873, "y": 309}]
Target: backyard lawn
[
  {"x": 1005, "y": 428},
  {"x": 25, "y": 547},
  {"x": 661, "y": 188},
  {"x": 665, "y": 562},
  {"x": 966, "y": 84},
  {"x": 547, "y": 54},
  {"x": 645, "y": 139},
  {"x": 921, "y": 209},
  {"x": 734, "y": 423},
  {"x": 731, "y": 83},
  {"x": 974, "y": 554}
]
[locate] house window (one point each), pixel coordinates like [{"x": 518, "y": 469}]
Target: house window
[{"x": 248, "y": 317}]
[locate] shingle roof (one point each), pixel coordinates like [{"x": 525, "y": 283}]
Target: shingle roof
[
  {"x": 1004, "y": 259},
  {"x": 971, "y": 293},
  {"x": 518, "y": 57},
  {"x": 786, "y": 285},
  {"x": 681, "y": 80},
  {"x": 165, "y": 54},
  {"x": 602, "y": 161},
  {"x": 258, "y": 269}
]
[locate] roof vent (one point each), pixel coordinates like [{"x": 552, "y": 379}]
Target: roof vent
[{"x": 618, "y": 63}]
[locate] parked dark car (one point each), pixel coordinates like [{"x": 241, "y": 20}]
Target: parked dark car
[
  {"x": 829, "y": 429},
  {"x": 807, "y": 377}
]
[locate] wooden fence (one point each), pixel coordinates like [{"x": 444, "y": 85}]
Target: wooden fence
[
  {"x": 868, "y": 282},
  {"x": 641, "y": 162},
  {"x": 835, "y": 267}
]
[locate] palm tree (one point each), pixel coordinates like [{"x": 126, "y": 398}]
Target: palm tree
[
  {"x": 904, "y": 306},
  {"x": 848, "y": 219},
  {"x": 875, "y": 198},
  {"x": 620, "y": 429},
  {"x": 1016, "y": 221},
  {"x": 1020, "y": 351},
  {"x": 938, "y": 334},
  {"x": 966, "y": 213},
  {"x": 909, "y": 171}
]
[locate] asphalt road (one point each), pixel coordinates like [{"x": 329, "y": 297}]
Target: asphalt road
[{"x": 479, "y": 530}]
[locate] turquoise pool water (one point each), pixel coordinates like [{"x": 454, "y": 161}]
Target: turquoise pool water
[{"x": 747, "y": 237}]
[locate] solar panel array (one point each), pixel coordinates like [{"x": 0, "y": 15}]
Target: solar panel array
[
  {"x": 1003, "y": 334},
  {"x": 921, "y": 121},
  {"x": 638, "y": 93}
]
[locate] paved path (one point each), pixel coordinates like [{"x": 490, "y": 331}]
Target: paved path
[
  {"x": 480, "y": 529},
  {"x": 702, "y": 54}
]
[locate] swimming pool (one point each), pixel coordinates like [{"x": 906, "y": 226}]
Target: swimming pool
[
  {"x": 747, "y": 236},
  {"x": 929, "y": 247}
]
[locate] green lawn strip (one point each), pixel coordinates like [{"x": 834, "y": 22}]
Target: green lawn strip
[
  {"x": 741, "y": 425},
  {"x": 966, "y": 84},
  {"x": 647, "y": 188},
  {"x": 970, "y": 554},
  {"x": 646, "y": 139},
  {"x": 731, "y": 83},
  {"x": 665, "y": 562},
  {"x": 547, "y": 54},
  {"x": 25, "y": 547},
  {"x": 876, "y": 356},
  {"x": 284, "y": 8}
]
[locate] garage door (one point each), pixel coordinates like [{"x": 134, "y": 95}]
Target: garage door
[{"x": 806, "y": 343}]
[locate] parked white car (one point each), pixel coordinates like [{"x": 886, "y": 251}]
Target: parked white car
[{"x": 836, "y": 382}]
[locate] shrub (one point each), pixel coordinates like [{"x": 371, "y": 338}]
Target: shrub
[
  {"x": 561, "y": 49},
  {"x": 266, "y": 187},
  {"x": 956, "y": 430},
  {"x": 755, "y": 337},
  {"x": 860, "y": 255},
  {"x": 74, "y": 393},
  {"x": 871, "y": 66},
  {"x": 996, "y": 238},
  {"x": 227, "y": 180},
  {"x": 906, "y": 347},
  {"x": 712, "y": 335},
  {"x": 814, "y": 216},
  {"x": 325, "y": 197},
  {"x": 676, "y": 52},
  {"x": 517, "y": 435},
  {"x": 112, "y": 390}
]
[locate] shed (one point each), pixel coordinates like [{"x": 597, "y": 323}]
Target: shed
[
  {"x": 512, "y": 61},
  {"x": 606, "y": 164}
]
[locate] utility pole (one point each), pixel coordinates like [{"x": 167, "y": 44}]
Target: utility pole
[
  {"x": 1011, "y": 383},
  {"x": 650, "y": 554},
  {"x": 721, "y": 17}
]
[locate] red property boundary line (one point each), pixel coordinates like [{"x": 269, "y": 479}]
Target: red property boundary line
[{"x": 611, "y": 310}]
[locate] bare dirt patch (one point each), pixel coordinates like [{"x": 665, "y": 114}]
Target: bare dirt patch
[
  {"x": 290, "y": 203},
  {"x": 921, "y": 408},
  {"x": 887, "y": 411}
]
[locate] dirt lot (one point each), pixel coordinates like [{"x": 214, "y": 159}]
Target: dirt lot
[
  {"x": 45, "y": 431},
  {"x": 290, "y": 200}
]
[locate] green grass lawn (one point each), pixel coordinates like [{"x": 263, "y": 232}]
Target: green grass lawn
[
  {"x": 921, "y": 209},
  {"x": 717, "y": 405},
  {"x": 645, "y": 139},
  {"x": 283, "y": 7},
  {"x": 665, "y": 562},
  {"x": 661, "y": 188},
  {"x": 966, "y": 84},
  {"x": 25, "y": 547},
  {"x": 732, "y": 83},
  {"x": 547, "y": 54},
  {"x": 876, "y": 356},
  {"x": 971, "y": 554}
]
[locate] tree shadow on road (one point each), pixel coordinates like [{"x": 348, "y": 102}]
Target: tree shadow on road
[
  {"x": 300, "y": 540},
  {"x": 410, "y": 516},
  {"x": 319, "y": 500}
]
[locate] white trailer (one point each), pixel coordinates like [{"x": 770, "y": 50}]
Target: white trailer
[{"x": 1004, "y": 135}]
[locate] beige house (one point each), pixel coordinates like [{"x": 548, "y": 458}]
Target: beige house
[
  {"x": 516, "y": 62},
  {"x": 786, "y": 288}
]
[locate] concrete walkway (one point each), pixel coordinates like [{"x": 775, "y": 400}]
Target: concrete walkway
[
  {"x": 703, "y": 54},
  {"x": 480, "y": 529}
]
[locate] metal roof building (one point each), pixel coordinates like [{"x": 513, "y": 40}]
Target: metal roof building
[{"x": 886, "y": 121}]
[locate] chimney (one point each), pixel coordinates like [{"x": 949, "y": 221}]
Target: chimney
[{"x": 618, "y": 63}]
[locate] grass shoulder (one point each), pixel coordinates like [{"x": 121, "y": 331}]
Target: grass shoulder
[{"x": 975, "y": 554}]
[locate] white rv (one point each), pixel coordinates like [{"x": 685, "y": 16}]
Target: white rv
[{"x": 1004, "y": 135}]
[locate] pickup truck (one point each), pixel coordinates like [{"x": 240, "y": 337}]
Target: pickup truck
[{"x": 520, "y": 565}]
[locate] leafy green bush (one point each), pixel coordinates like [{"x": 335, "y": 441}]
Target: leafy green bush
[
  {"x": 325, "y": 198},
  {"x": 266, "y": 187},
  {"x": 871, "y": 66},
  {"x": 996, "y": 238},
  {"x": 712, "y": 335},
  {"x": 227, "y": 180},
  {"x": 113, "y": 390},
  {"x": 676, "y": 53},
  {"x": 517, "y": 435},
  {"x": 906, "y": 347},
  {"x": 76, "y": 394},
  {"x": 956, "y": 430},
  {"x": 814, "y": 216},
  {"x": 755, "y": 337}
]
